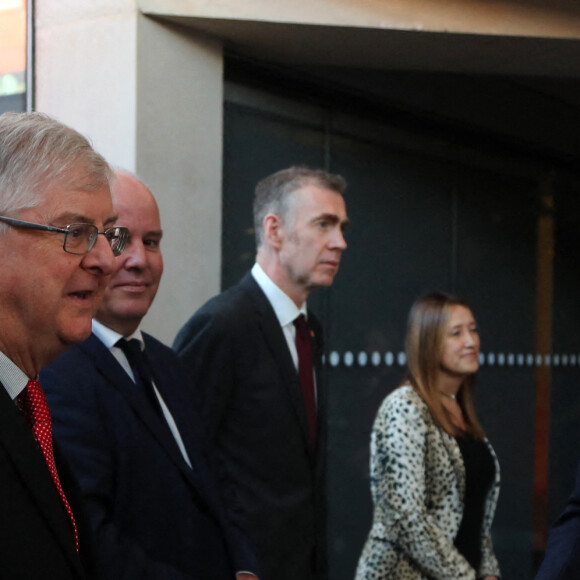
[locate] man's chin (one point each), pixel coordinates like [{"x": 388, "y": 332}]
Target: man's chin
[
  {"x": 324, "y": 280},
  {"x": 123, "y": 316},
  {"x": 66, "y": 338},
  {"x": 75, "y": 335}
]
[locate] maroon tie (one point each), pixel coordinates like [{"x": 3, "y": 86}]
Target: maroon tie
[
  {"x": 306, "y": 374},
  {"x": 33, "y": 403}
]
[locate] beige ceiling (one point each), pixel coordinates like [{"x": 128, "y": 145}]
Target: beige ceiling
[{"x": 529, "y": 37}]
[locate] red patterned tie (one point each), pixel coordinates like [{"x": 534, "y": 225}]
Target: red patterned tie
[
  {"x": 33, "y": 403},
  {"x": 306, "y": 374}
]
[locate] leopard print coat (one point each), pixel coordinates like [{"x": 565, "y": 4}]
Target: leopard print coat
[{"x": 418, "y": 484}]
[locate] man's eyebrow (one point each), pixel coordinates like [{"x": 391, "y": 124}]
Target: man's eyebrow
[
  {"x": 333, "y": 219},
  {"x": 329, "y": 217},
  {"x": 72, "y": 218},
  {"x": 154, "y": 233},
  {"x": 110, "y": 221},
  {"x": 75, "y": 218}
]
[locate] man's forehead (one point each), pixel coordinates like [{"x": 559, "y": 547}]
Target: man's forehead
[
  {"x": 70, "y": 217},
  {"x": 77, "y": 205},
  {"x": 317, "y": 194},
  {"x": 319, "y": 199}
]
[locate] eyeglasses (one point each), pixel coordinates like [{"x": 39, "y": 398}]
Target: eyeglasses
[{"x": 78, "y": 238}]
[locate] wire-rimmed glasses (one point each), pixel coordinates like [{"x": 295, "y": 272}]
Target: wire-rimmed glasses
[{"x": 78, "y": 238}]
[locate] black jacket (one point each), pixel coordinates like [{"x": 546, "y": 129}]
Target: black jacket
[
  {"x": 36, "y": 539},
  {"x": 154, "y": 517},
  {"x": 238, "y": 362}
]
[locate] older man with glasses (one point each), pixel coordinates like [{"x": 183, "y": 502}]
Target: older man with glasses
[{"x": 52, "y": 184}]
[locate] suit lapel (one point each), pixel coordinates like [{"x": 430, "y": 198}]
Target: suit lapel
[
  {"x": 167, "y": 383},
  {"x": 16, "y": 437},
  {"x": 106, "y": 364},
  {"x": 115, "y": 375},
  {"x": 276, "y": 341}
]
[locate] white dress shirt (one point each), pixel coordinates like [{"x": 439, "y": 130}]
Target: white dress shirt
[
  {"x": 285, "y": 309},
  {"x": 12, "y": 377}
]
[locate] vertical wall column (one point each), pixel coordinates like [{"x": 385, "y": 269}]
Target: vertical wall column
[
  {"x": 179, "y": 155},
  {"x": 85, "y": 71}
]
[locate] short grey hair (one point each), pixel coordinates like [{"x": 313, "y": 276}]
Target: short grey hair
[
  {"x": 38, "y": 153},
  {"x": 273, "y": 193}
]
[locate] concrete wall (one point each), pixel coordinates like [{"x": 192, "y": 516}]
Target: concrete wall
[
  {"x": 179, "y": 154},
  {"x": 86, "y": 54}
]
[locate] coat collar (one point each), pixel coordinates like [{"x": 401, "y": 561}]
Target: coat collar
[
  {"x": 106, "y": 364},
  {"x": 273, "y": 335},
  {"x": 18, "y": 442}
]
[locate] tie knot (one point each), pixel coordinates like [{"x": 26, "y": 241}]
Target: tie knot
[
  {"x": 33, "y": 403},
  {"x": 300, "y": 322},
  {"x": 129, "y": 347}
]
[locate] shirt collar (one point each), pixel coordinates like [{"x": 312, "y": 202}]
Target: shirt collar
[
  {"x": 284, "y": 307},
  {"x": 12, "y": 377},
  {"x": 110, "y": 337}
]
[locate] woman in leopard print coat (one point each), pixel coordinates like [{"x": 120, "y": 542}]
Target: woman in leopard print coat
[{"x": 427, "y": 448}]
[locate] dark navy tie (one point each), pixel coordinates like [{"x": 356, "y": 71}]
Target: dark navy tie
[{"x": 141, "y": 369}]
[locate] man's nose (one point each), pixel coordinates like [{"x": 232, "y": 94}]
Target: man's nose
[
  {"x": 338, "y": 240},
  {"x": 100, "y": 257},
  {"x": 134, "y": 254}
]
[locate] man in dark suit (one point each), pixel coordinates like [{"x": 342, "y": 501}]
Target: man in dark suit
[
  {"x": 562, "y": 557},
  {"x": 251, "y": 359},
  {"x": 55, "y": 200},
  {"x": 147, "y": 478}
]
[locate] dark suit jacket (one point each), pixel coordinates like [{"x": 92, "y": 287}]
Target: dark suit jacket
[
  {"x": 240, "y": 366},
  {"x": 562, "y": 558},
  {"x": 153, "y": 516},
  {"x": 36, "y": 539}
]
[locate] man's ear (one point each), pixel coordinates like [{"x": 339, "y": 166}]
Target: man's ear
[{"x": 273, "y": 230}]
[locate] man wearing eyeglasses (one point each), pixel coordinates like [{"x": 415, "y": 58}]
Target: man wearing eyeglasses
[
  {"x": 121, "y": 413},
  {"x": 58, "y": 244}
]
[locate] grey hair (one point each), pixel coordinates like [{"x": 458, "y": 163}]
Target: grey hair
[
  {"x": 273, "y": 193},
  {"x": 38, "y": 153}
]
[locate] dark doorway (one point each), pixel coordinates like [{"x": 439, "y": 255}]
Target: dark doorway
[{"x": 437, "y": 201}]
